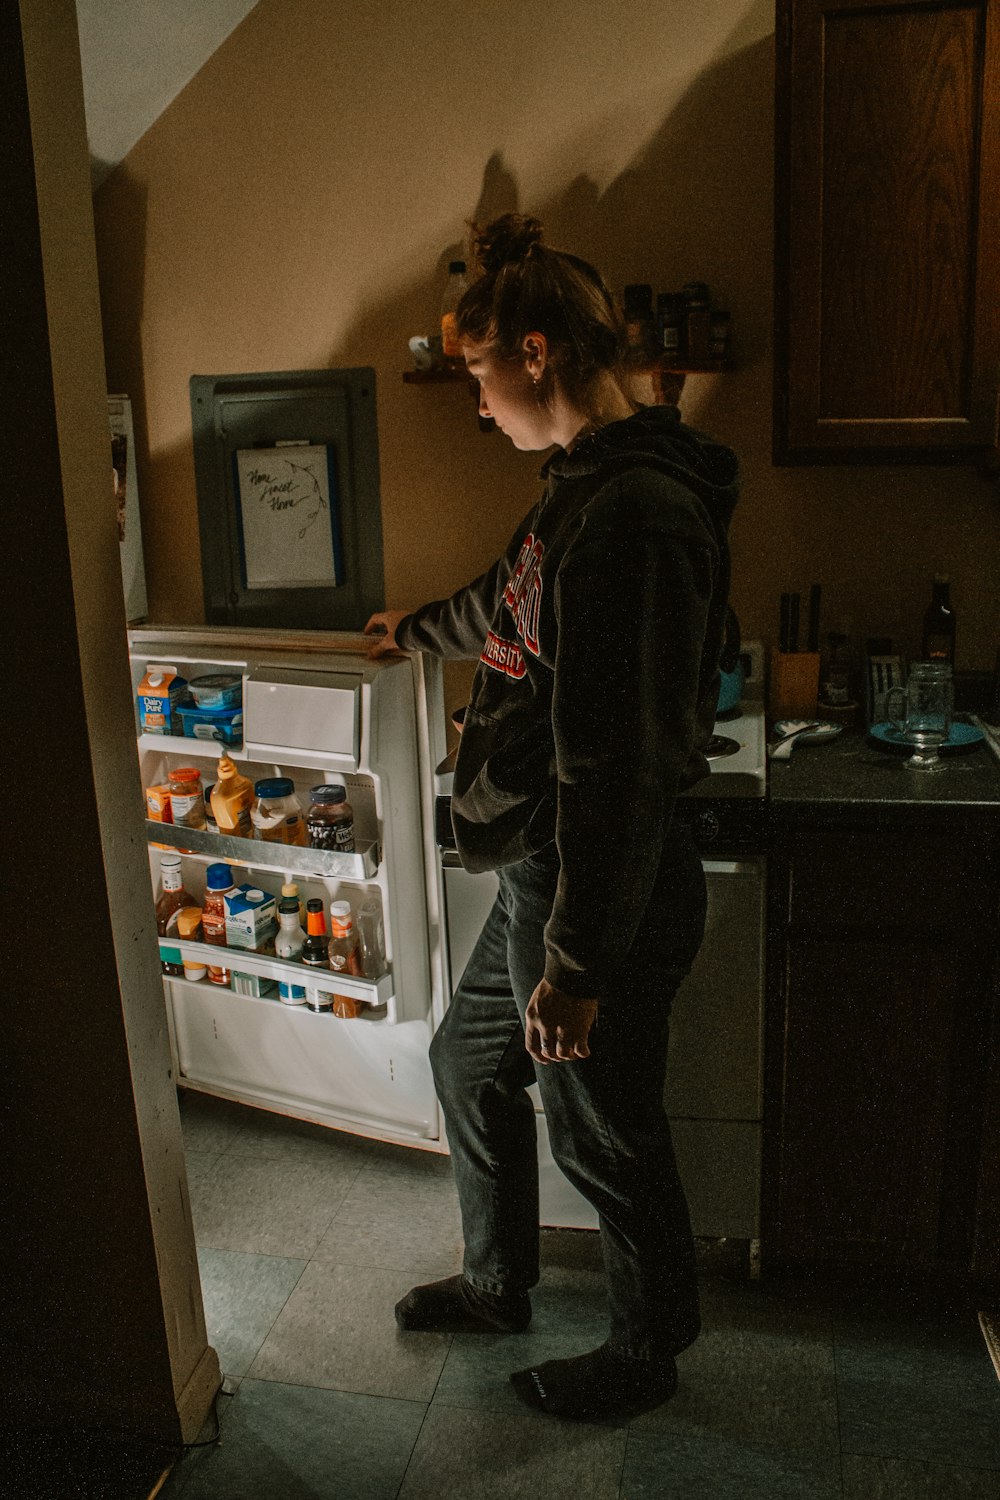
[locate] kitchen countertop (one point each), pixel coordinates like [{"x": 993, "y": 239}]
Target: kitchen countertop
[{"x": 848, "y": 771}]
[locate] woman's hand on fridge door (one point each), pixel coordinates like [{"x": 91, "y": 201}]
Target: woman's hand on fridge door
[
  {"x": 382, "y": 628},
  {"x": 556, "y": 1026}
]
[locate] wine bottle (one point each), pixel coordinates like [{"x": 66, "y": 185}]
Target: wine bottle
[{"x": 939, "y": 623}]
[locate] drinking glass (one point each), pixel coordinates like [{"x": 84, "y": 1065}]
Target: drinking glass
[{"x": 924, "y": 717}]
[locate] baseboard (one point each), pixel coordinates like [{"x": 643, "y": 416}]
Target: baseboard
[{"x": 989, "y": 1322}]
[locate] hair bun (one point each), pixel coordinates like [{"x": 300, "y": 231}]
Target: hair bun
[{"x": 507, "y": 239}]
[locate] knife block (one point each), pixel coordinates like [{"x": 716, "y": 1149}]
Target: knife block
[{"x": 794, "y": 684}]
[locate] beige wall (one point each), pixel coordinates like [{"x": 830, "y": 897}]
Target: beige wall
[{"x": 296, "y": 207}]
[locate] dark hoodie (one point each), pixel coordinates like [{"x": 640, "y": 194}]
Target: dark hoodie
[{"x": 598, "y": 635}]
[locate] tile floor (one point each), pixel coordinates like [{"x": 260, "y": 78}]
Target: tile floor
[{"x": 306, "y": 1239}]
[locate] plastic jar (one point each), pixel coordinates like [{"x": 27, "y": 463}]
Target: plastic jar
[
  {"x": 218, "y": 883},
  {"x": 277, "y": 812},
  {"x": 330, "y": 819},
  {"x": 187, "y": 801}
]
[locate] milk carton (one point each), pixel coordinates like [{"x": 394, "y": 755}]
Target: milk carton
[
  {"x": 251, "y": 920},
  {"x": 160, "y": 693}
]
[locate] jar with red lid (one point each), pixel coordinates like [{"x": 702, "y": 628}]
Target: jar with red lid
[{"x": 187, "y": 801}]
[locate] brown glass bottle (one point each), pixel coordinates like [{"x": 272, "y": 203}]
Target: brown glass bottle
[{"x": 939, "y": 623}]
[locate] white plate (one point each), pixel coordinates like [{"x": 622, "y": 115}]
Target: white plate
[{"x": 786, "y": 727}]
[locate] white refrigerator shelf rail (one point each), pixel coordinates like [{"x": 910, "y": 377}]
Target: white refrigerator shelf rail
[
  {"x": 260, "y": 854},
  {"x": 245, "y": 961}
]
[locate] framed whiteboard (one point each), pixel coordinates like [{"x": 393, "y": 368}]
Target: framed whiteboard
[{"x": 288, "y": 514}]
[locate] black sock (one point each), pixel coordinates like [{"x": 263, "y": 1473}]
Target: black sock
[
  {"x": 454, "y": 1306},
  {"x": 597, "y": 1385}
]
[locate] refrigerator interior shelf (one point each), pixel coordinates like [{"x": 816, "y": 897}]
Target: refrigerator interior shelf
[
  {"x": 246, "y": 961},
  {"x": 185, "y": 744},
  {"x": 262, "y": 855}
]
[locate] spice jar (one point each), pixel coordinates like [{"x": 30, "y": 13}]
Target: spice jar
[
  {"x": 187, "y": 801},
  {"x": 330, "y": 819},
  {"x": 277, "y": 813}
]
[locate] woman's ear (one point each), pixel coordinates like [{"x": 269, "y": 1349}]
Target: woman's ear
[{"x": 536, "y": 354}]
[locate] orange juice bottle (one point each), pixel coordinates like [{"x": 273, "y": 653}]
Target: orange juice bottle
[{"x": 232, "y": 796}]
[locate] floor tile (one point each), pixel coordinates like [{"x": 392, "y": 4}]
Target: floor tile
[
  {"x": 724, "y": 1468},
  {"x": 207, "y": 1123},
  {"x": 265, "y": 1207},
  {"x": 263, "y": 1132},
  {"x": 914, "y": 1390},
  {"x": 283, "y": 1442},
  {"x": 765, "y": 1388},
  {"x": 243, "y": 1295},
  {"x": 500, "y": 1457},
  {"x": 867, "y": 1478},
  {"x": 337, "y": 1331},
  {"x": 399, "y": 1220}
]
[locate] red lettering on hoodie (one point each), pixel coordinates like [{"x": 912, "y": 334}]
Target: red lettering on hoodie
[
  {"x": 523, "y": 594},
  {"x": 503, "y": 656}
]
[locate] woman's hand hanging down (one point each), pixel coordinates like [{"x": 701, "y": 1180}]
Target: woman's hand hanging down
[
  {"x": 556, "y": 1026},
  {"x": 382, "y": 628}
]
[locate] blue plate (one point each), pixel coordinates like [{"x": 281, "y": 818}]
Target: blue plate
[{"x": 962, "y": 737}]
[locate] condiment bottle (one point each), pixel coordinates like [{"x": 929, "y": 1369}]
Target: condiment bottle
[
  {"x": 187, "y": 802},
  {"x": 699, "y": 319},
  {"x": 344, "y": 957},
  {"x": 669, "y": 325},
  {"x": 314, "y": 953},
  {"x": 189, "y": 928},
  {"x": 232, "y": 795},
  {"x": 290, "y": 892},
  {"x": 171, "y": 899},
  {"x": 277, "y": 812},
  {"x": 330, "y": 819},
  {"x": 453, "y": 293},
  {"x": 289, "y": 944},
  {"x": 218, "y": 883}
]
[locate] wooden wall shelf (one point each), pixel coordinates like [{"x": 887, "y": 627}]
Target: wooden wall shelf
[{"x": 667, "y": 377}]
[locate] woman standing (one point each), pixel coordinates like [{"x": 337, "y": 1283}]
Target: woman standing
[{"x": 598, "y": 636}]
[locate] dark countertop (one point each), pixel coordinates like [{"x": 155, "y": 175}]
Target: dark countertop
[{"x": 849, "y": 772}]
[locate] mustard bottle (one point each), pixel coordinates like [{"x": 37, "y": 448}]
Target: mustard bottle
[{"x": 232, "y": 796}]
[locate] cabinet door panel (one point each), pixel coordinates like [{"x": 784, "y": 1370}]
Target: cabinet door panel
[
  {"x": 864, "y": 1117},
  {"x": 888, "y": 191}
]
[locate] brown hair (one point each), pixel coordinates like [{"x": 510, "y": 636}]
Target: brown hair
[{"x": 526, "y": 287}]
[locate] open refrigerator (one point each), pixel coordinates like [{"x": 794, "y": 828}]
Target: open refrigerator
[{"x": 316, "y": 709}]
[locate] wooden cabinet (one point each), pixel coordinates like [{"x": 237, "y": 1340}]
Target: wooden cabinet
[
  {"x": 882, "y": 1035},
  {"x": 887, "y": 280}
]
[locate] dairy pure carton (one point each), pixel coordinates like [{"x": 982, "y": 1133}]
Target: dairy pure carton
[
  {"x": 251, "y": 920},
  {"x": 159, "y": 695}
]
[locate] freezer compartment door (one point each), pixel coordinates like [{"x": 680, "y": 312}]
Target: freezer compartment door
[
  {"x": 304, "y": 711},
  {"x": 344, "y": 1073}
]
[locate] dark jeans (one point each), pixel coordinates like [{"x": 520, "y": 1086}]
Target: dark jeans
[{"x": 605, "y": 1116}]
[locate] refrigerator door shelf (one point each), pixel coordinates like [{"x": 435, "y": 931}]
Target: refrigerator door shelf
[
  {"x": 259, "y": 854},
  {"x": 375, "y": 992}
]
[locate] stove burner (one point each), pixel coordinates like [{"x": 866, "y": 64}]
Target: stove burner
[
  {"x": 736, "y": 712},
  {"x": 720, "y": 746}
]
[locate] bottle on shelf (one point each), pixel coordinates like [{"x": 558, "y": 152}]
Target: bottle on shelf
[
  {"x": 314, "y": 953},
  {"x": 637, "y": 310},
  {"x": 330, "y": 819},
  {"x": 939, "y": 623},
  {"x": 289, "y": 944},
  {"x": 371, "y": 936},
  {"x": 232, "y": 797},
  {"x": 290, "y": 892},
  {"x": 699, "y": 319},
  {"x": 172, "y": 898},
  {"x": 344, "y": 955},
  {"x": 189, "y": 927},
  {"x": 454, "y": 291},
  {"x": 218, "y": 885},
  {"x": 277, "y": 812},
  {"x": 671, "y": 339}
]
